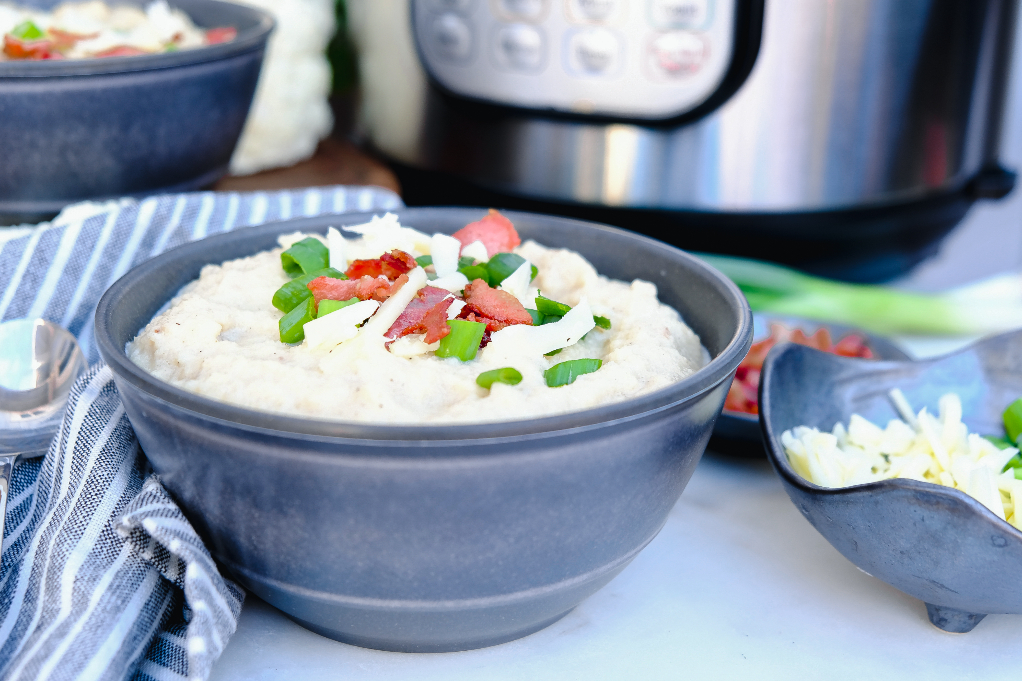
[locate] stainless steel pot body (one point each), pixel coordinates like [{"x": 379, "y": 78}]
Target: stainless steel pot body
[
  {"x": 851, "y": 103},
  {"x": 430, "y": 537}
]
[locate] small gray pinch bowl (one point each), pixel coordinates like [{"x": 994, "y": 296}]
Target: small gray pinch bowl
[
  {"x": 425, "y": 538},
  {"x": 79, "y": 129},
  {"x": 737, "y": 433},
  {"x": 934, "y": 543}
]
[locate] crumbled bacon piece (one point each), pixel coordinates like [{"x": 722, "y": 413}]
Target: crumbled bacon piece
[
  {"x": 367, "y": 288},
  {"x": 63, "y": 40},
  {"x": 426, "y": 313},
  {"x": 121, "y": 51},
  {"x": 390, "y": 265},
  {"x": 496, "y": 232},
  {"x": 743, "y": 394},
  {"x": 494, "y": 307},
  {"x": 221, "y": 34},
  {"x": 16, "y": 48}
]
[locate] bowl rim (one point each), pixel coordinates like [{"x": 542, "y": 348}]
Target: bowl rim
[
  {"x": 719, "y": 369},
  {"x": 248, "y": 39},
  {"x": 787, "y": 473}
]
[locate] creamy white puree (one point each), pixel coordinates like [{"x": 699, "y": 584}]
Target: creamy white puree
[{"x": 219, "y": 338}]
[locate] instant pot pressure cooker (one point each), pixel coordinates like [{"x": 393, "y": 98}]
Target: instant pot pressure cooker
[{"x": 842, "y": 136}]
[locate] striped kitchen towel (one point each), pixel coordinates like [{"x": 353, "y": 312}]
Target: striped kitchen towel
[{"x": 101, "y": 575}]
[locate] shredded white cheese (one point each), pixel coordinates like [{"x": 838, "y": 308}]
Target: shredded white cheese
[
  {"x": 546, "y": 338},
  {"x": 517, "y": 284},
  {"x": 335, "y": 242},
  {"x": 444, "y": 250},
  {"x": 329, "y": 331},
  {"x": 453, "y": 282},
  {"x": 937, "y": 449},
  {"x": 477, "y": 251}
]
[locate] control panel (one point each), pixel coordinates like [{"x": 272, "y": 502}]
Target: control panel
[{"x": 651, "y": 59}]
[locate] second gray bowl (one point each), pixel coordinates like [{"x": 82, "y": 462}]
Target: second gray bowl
[
  {"x": 932, "y": 542},
  {"x": 430, "y": 537},
  {"x": 78, "y": 129}
]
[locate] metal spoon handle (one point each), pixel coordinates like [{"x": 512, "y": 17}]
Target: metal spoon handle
[{"x": 6, "y": 469}]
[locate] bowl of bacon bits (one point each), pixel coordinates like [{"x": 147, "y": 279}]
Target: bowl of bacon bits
[
  {"x": 104, "y": 100},
  {"x": 737, "y": 430}
]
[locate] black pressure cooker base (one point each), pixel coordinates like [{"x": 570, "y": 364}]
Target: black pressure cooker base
[{"x": 860, "y": 245}]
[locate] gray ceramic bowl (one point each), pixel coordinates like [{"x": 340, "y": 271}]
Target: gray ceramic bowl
[
  {"x": 430, "y": 537},
  {"x": 737, "y": 433},
  {"x": 101, "y": 128},
  {"x": 932, "y": 542}
]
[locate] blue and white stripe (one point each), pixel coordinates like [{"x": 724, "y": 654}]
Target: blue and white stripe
[{"x": 101, "y": 575}]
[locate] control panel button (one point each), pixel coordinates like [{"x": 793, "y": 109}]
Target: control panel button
[
  {"x": 594, "y": 51},
  {"x": 445, "y": 5},
  {"x": 679, "y": 13},
  {"x": 452, "y": 36},
  {"x": 594, "y": 10},
  {"x": 519, "y": 47},
  {"x": 530, "y": 10},
  {"x": 678, "y": 53}
]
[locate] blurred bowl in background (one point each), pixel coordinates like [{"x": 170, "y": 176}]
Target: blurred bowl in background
[
  {"x": 737, "y": 433},
  {"x": 73, "y": 130}
]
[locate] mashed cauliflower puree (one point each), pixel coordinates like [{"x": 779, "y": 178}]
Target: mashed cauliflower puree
[{"x": 219, "y": 337}]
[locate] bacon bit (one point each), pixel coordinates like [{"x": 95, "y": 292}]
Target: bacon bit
[
  {"x": 496, "y": 308},
  {"x": 496, "y": 232},
  {"x": 426, "y": 313},
  {"x": 121, "y": 51},
  {"x": 743, "y": 394},
  {"x": 367, "y": 288},
  {"x": 63, "y": 40},
  {"x": 221, "y": 34},
  {"x": 390, "y": 265},
  {"x": 16, "y": 48}
]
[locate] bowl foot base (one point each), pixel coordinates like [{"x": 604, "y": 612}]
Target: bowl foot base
[{"x": 951, "y": 620}]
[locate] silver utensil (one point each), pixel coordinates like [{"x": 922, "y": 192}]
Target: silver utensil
[{"x": 39, "y": 361}]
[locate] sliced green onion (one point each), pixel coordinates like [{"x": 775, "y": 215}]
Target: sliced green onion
[
  {"x": 552, "y": 311},
  {"x": 508, "y": 375},
  {"x": 424, "y": 261},
  {"x": 1014, "y": 462},
  {"x": 328, "y": 306},
  {"x": 171, "y": 47},
  {"x": 291, "y": 325},
  {"x": 463, "y": 340},
  {"x": 551, "y": 307},
  {"x": 27, "y": 30},
  {"x": 1013, "y": 420},
  {"x": 535, "y": 271},
  {"x": 308, "y": 255},
  {"x": 986, "y": 307},
  {"x": 502, "y": 265},
  {"x": 553, "y": 352},
  {"x": 294, "y": 292},
  {"x": 476, "y": 272},
  {"x": 466, "y": 261},
  {"x": 566, "y": 372},
  {"x": 537, "y": 318}
]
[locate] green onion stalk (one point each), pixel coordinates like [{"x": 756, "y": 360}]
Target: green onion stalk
[{"x": 990, "y": 306}]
